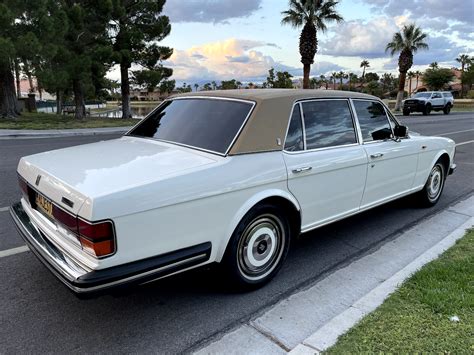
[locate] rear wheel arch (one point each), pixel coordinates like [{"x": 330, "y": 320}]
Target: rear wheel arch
[
  {"x": 445, "y": 160},
  {"x": 291, "y": 211},
  {"x": 280, "y": 199}
]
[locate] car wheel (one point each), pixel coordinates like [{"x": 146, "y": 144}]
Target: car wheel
[
  {"x": 447, "y": 109},
  {"x": 427, "y": 110},
  {"x": 433, "y": 188},
  {"x": 406, "y": 112},
  {"x": 257, "y": 248}
]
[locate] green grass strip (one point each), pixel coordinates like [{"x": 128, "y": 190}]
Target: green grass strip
[
  {"x": 417, "y": 317},
  {"x": 52, "y": 121}
]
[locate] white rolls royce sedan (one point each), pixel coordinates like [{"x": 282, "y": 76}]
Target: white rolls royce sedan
[{"x": 228, "y": 177}]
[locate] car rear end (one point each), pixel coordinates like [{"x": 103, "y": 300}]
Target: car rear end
[
  {"x": 55, "y": 219},
  {"x": 47, "y": 217}
]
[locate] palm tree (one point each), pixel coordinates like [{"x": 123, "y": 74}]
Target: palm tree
[
  {"x": 333, "y": 78},
  {"x": 196, "y": 86},
  {"x": 434, "y": 65},
  {"x": 364, "y": 64},
  {"x": 312, "y": 15},
  {"x": 411, "y": 75},
  {"x": 352, "y": 78},
  {"x": 387, "y": 80},
  {"x": 341, "y": 75},
  {"x": 464, "y": 59},
  {"x": 323, "y": 80},
  {"x": 406, "y": 42}
]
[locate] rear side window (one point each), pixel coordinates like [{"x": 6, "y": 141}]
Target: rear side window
[
  {"x": 328, "y": 123},
  {"x": 208, "y": 124},
  {"x": 447, "y": 94},
  {"x": 294, "y": 139},
  {"x": 373, "y": 120}
]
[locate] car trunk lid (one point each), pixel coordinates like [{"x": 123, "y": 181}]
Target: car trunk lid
[{"x": 70, "y": 176}]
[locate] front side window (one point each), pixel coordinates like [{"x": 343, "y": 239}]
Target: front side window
[
  {"x": 373, "y": 120},
  {"x": 328, "y": 123},
  {"x": 294, "y": 139},
  {"x": 208, "y": 124}
]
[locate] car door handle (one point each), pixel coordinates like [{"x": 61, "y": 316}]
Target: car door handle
[
  {"x": 300, "y": 170},
  {"x": 375, "y": 156}
]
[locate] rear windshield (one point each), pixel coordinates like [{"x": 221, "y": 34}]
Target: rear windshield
[{"x": 209, "y": 124}]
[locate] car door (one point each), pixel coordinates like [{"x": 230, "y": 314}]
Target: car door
[
  {"x": 392, "y": 163},
  {"x": 437, "y": 100},
  {"x": 325, "y": 162}
]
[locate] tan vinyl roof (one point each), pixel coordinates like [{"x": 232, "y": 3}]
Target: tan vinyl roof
[{"x": 268, "y": 122}]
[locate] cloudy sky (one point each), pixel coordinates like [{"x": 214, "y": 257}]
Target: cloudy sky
[{"x": 225, "y": 39}]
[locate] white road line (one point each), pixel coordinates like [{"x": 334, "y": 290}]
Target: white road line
[
  {"x": 462, "y": 143},
  {"x": 13, "y": 251},
  {"x": 445, "y": 134},
  {"x": 4, "y": 209}
]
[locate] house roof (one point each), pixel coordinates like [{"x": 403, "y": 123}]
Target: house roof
[{"x": 266, "y": 127}]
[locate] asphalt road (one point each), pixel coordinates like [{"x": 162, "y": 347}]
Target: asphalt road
[{"x": 179, "y": 314}]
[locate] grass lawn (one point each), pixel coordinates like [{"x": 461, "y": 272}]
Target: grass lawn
[
  {"x": 52, "y": 121},
  {"x": 416, "y": 318}
]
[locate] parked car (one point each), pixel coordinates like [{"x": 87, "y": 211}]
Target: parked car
[
  {"x": 228, "y": 177},
  {"x": 428, "y": 101}
]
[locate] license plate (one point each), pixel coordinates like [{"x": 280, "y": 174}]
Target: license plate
[{"x": 44, "y": 205}]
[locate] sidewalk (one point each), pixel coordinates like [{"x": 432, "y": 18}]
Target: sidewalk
[
  {"x": 47, "y": 133},
  {"x": 311, "y": 320}
]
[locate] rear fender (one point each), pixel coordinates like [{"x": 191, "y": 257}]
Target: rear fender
[{"x": 246, "y": 207}]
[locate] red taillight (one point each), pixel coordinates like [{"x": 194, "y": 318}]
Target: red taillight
[
  {"x": 67, "y": 220},
  {"x": 97, "y": 238}
]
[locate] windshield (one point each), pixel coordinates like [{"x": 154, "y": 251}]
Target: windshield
[
  {"x": 422, "y": 94},
  {"x": 208, "y": 124}
]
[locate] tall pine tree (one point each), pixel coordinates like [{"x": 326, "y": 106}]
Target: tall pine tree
[{"x": 135, "y": 28}]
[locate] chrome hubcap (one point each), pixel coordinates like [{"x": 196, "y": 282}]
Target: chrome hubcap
[
  {"x": 435, "y": 181},
  {"x": 260, "y": 247}
]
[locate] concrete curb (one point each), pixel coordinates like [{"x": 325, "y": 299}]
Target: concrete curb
[
  {"x": 311, "y": 320},
  {"x": 39, "y": 133},
  {"x": 327, "y": 335}
]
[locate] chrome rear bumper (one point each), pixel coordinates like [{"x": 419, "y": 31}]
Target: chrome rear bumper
[{"x": 86, "y": 282}]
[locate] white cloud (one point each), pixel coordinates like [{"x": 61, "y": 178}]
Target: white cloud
[
  {"x": 231, "y": 58},
  {"x": 209, "y": 10},
  {"x": 455, "y": 10},
  {"x": 239, "y": 59},
  {"x": 360, "y": 38}
]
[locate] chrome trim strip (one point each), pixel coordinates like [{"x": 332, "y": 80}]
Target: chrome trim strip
[
  {"x": 356, "y": 121},
  {"x": 303, "y": 125},
  {"x": 134, "y": 277},
  {"x": 324, "y": 148}
]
